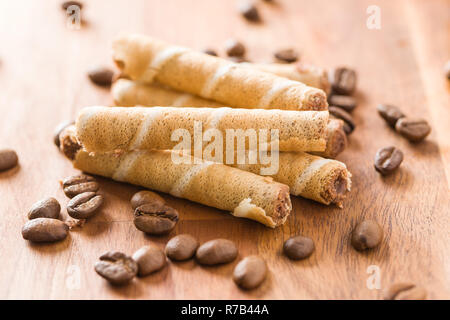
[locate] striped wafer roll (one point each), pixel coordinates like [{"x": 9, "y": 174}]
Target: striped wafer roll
[
  {"x": 103, "y": 129},
  {"x": 145, "y": 59},
  {"x": 244, "y": 194},
  {"x": 130, "y": 93}
]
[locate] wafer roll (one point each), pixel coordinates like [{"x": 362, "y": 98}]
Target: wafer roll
[
  {"x": 244, "y": 194},
  {"x": 149, "y": 60},
  {"x": 129, "y": 93},
  {"x": 103, "y": 129}
]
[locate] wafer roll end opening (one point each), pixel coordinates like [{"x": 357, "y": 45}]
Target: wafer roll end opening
[
  {"x": 68, "y": 143},
  {"x": 316, "y": 99},
  {"x": 338, "y": 188}
]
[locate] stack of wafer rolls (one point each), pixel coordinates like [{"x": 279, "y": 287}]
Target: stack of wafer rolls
[{"x": 149, "y": 60}]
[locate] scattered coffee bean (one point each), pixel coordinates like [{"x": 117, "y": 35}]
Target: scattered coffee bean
[
  {"x": 58, "y": 131},
  {"x": 181, "y": 247},
  {"x": 116, "y": 267},
  {"x": 388, "y": 159},
  {"x": 154, "y": 218},
  {"x": 101, "y": 76},
  {"x": 66, "y": 4},
  {"x": 298, "y": 247},
  {"x": 84, "y": 205},
  {"x": 349, "y": 124},
  {"x": 405, "y": 291},
  {"x": 343, "y": 80},
  {"x": 234, "y": 48},
  {"x": 211, "y": 52},
  {"x": 286, "y": 55},
  {"x": 367, "y": 235},
  {"x": 447, "y": 70},
  {"x": 216, "y": 251},
  {"x": 390, "y": 113},
  {"x": 149, "y": 260},
  {"x": 46, "y": 208},
  {"x": 414, "y": 130},
  {"x": 44, "y": 230},
  {"x": 249, "y": 11},
  {"x": 143, "y": 197},
  {"x": 8, "y": 159},
  {"x": 250, "y": 272},
  {"x": 82, "y": 183},
  {"x": 347, "y": 103}
]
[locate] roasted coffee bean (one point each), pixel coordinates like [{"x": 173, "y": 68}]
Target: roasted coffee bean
[
  {"x": 181, "y": 247},
  {"x": 44, "y": 230},
  {"x": 66, "y": 4},
  {"x": 211, "y": 52},
  {"x": 82, "y": 183},
  {"x": 149, "y": 260},
  {"x": 414, "y": 130},
  {"x": 250, "y": 272},
  {"x": 116, "y": 267},
  {"x": 391, "y": 114},
  {"x": 84, "y": 205},
  {"x": 101, "y": 76},
  {"x": 349, "y": 124},
  {"x": 144, "y": 197},
  {"x": 298, "y": 247},
  {"x": 447, "y": 70},
  {"x": 345, "y": 102},
  {"x": 8, "y": 159},
  {"x": 367, "y": 235},
  {"x": 249, "y": 11},
  {"x": 286, "y": 55},
  {"x": 154, "y": 218},
  {"x": 343, "y": 80},
  {"x": 405, "y": 291},
  {"x": 234, "y": 48},
  {"x": 388, "y": 159},
  {"x": 46, "y": 208},
  {"x": 216, "y": 251},
  {"x": 58, "y": 131}
]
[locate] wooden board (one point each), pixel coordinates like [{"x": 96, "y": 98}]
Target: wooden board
[{"x": 43, "y": 81}]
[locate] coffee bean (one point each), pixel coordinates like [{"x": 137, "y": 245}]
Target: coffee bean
[
  {"x": 234, "y": 48},
  {"x": 388, "y": 159},
  {"x": 249, "y": 11},
  {"x": 405, "y": 291},
  {"x": 8, "y": 159},
  {"x": 44, "y": 230},
  {"x": 66, "y": 4},
  {"x": 349, "y": 124},
  {"x": 149, "y": 260},
  {"x": 286, "y": 55},
  {"x": 46, "y": 208},
  {"x": 181, "y": 247},
  {"x": 154, "y": 218},
  {"x": 101, "y": 76},
  {"x": 367, "y": 235},
  {"x": 144, "y": 197},
  {"x": 116, "y": 267},
  {"x": 58, "y": 131},
  {"x": 447, "y": 70},
  {"x": 298, "y": 247},
  {"x": 211, "y": 52},
  {"x": 391, "y": 114},
  {"x": 216, "y": 251},
  {"x": 347, "y": 103},
  {"x": 250, "y": 272},
  {"x": 343, "y": 80},
  {"x": 82, "y": 183},
  {"x": 414, "y": 130},
  {"x": 84, "y": 205}
]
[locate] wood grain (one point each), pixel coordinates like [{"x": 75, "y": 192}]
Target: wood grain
[{"x": 43, "y": 80}]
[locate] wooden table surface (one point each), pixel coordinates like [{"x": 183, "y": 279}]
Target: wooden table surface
[{"x": 43, "y": 81}]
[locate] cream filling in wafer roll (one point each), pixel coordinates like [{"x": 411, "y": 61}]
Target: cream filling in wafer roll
[
  {"x": 129, "y": 93},
  {"x": 103, "y": 129},
  {"x": 244, "y": 194},
  {"x": 149, "y": 60}
]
